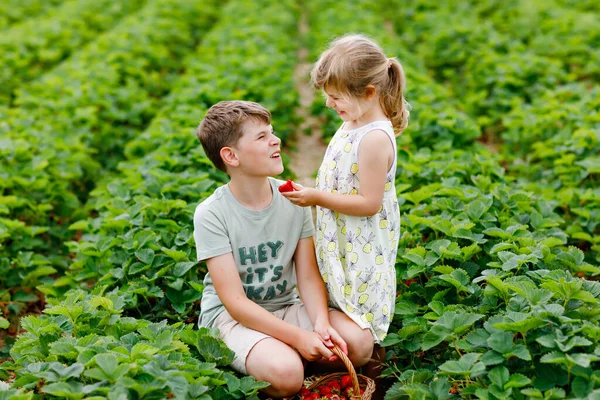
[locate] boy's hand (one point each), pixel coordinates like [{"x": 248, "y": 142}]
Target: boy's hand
[
  {"x": 312, "y": 348},
  {"x": 302, "y": 196},
  {"x": 330, "y": 338}
]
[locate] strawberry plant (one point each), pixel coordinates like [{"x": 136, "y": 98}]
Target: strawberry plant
[
  {"x": 33, "y": 47},
  {"x": 85, "y": 346},
  {"x": 55, "y": 146},
  {"x": 15, "y": 11}
]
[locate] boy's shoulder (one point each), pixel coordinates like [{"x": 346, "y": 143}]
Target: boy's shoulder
[{"x": 212, "y": 203}]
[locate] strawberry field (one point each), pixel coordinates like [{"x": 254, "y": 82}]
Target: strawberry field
[{"x": 498, "y": 182}]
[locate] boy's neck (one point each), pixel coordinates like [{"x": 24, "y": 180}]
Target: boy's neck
[{"x": 254, "y": 193}]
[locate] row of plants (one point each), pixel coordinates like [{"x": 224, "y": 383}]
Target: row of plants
[
  {"x": 15, "y": 11},
  {"x": 552, "y": 147},
  {"x": 490, "y": 294},
  {"x": 138, "y": 252},
  {"x": 487, "y": 279},
  {"x": 85, "y": 346},
  {"x": 535, "y": 98},
  {"x": 29, "y": 49},
  {"x": 491, "y": 299},
  {"x": 500, "y": 57},
  {"x": 141, "y": 240},
  {"x": 69, "y": 129}
]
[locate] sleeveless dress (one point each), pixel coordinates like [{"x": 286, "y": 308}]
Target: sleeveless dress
[{"x": 357, "y": 255}]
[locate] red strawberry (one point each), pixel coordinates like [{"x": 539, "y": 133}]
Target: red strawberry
[
  {"x": 325, "y": 390},
  {"x": 286, "y": 187},
  {"x": 410, "y": 281},
  {"x": 304, "y": 393},
  {"x": 346, "y": 382},
  {"x": 335, "y": 385}
]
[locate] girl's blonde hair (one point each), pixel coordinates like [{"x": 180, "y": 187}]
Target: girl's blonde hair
[{"x": 353, "y": 62}]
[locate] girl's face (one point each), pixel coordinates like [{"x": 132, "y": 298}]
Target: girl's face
[{"x": 348, "y": 108}]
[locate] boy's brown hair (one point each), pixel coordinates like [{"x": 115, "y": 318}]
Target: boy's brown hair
[{"x": 222, "y": 126}]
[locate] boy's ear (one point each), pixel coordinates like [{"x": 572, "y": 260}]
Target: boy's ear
[
  {"x": 370, "y": 92},
  {"x": 229, "y": 157}
]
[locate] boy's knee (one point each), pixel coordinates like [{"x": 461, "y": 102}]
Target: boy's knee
[
  {"x": 360, "y": 346},
  {"x": 287, "y": 377}
]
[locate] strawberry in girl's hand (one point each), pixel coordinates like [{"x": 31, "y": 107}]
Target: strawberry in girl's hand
[{"x": 286, "y": 187}]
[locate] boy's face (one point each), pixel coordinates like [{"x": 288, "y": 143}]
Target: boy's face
[{"x": 258, "y": 150}]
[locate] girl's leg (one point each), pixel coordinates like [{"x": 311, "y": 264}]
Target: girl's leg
[
  {"x": 359, "y": 341},
  {"x": 275, "y": 362}
]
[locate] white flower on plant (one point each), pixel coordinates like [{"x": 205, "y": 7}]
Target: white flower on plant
[{"x": 4, "y": 386}]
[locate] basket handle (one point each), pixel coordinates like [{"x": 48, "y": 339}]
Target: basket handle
[{"x": 355, "y": 386}]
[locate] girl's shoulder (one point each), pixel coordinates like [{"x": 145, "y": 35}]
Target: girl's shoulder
[{"x": 384, "y": 125}]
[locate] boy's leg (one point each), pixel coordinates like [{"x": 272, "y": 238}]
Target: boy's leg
[
  {"x": 275, "y": 362},
  {"x": 262, "y": 356}
]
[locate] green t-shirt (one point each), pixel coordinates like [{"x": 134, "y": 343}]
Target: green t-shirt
[{"x": 263, "y": 243}]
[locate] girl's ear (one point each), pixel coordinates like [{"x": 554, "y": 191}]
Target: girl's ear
[
  {"x": 370, "y": 92},
  {"x": 229, "y": 157}
]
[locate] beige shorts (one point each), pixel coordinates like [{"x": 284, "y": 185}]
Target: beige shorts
[{"x": 241, "y": 339}]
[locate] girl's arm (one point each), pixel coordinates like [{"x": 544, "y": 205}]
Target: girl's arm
[{"x": 375, "y": 155}]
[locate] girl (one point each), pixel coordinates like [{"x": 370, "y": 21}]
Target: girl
[{"x": 358, "y": 219}]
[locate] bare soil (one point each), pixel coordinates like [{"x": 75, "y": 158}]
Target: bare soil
[{"x": 307, "y": 147}]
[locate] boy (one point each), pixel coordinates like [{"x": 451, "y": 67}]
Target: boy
[{"x": 258, "y": 246}]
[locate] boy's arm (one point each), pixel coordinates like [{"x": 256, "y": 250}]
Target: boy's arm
[
  {"x": 228, "y": 286},
  {"x": 314, "y": 293},
  {"x": 373, "y": 160}
]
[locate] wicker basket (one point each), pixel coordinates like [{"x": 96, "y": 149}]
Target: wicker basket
[{"x": 358, "y": 381}]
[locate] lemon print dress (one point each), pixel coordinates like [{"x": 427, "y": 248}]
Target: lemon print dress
[{"x": 357, "y": 255}]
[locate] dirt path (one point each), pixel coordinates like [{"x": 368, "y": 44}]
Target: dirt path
[{"x": 307, "y": 149}]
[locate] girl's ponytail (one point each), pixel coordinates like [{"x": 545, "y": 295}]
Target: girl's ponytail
[{"x": 391, "y": 97}]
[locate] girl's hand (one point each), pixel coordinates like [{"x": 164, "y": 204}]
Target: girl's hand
[
  {"x": 312, "y": 348},
  {"x": 302, "y": 196},
  {"x": 331, "y": 338}
]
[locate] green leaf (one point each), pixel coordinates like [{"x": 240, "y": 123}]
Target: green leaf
[
  {"x": 517, "y": 381},
  {"x": 499, "y": 376},
  {"x": 520, "y": 351},
  {"x": 181, "y": 268},
  {"x": 177, "y": 255},
  {"x": 502, "y": 342},
  {"x": 440, "y": 388},
  {"x": 521, "y": 323},
  {"x": 468, "y": 365},
  {"x": 476, "y": 209},
  {"x": 70, "y": 390},
  {"x": 405, "y": 307},
  {"x": 79, "y": 225},
  {"x": 145, "y": 255}
]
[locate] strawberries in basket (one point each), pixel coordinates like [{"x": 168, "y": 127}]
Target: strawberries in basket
[{"x": 333, "y": 389}]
